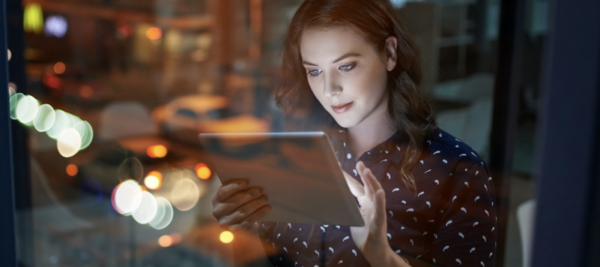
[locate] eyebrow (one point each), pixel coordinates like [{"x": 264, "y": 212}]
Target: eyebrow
[{"x": 336, "y": 60}]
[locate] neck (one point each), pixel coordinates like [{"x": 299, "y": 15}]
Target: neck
[{"x": 375, "y": 129}]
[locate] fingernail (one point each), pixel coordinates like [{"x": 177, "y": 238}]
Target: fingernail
[{"x": 255, "y": 193}]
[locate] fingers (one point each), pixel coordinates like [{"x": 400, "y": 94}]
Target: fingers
[
  {"x": 380, "y": 217},
  {"x": 371, "y": 183},
  {"x": 246, "y": 212},
  {"x": 240, "y": 198},
  {"x": 229, "y": 189},
  {"x": 355, "y": 187},
  {"x": 250, "y": 221}
]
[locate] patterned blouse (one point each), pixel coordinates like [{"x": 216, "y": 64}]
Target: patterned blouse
[{"x": 449, "y": 221}]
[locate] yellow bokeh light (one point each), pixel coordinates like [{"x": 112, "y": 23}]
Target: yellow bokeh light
[
  {"x": 165, "y": 241},
  {"x": 9, "y": 54},
  {"x": 153, "y": 180},
  {"x": 69, "y": 142},
  {"x": 202, "y": 171},
  {"x": 226, "y": 237},
  {"x": 33, "y": 18},
  {"x": 72, "y": 170},
  {"x": 157, "y": 151},
  {"x": 154, "y": 33},
  {"x": 59, "y": 68}
]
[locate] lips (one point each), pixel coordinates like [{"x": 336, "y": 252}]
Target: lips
[{"x": 342, "y": 108}]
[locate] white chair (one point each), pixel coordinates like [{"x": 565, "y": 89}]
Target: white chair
[{"x": 526, "y": 219}]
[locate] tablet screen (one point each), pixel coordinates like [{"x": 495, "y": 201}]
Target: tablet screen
[{"x": 298, "y": 172}]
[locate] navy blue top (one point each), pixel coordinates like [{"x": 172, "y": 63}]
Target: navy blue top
[{"x": 450, "y": 220}]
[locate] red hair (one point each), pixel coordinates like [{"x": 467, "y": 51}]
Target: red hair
[{"x": 376, "y": 20}]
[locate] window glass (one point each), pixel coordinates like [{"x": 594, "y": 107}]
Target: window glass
[{"x": 117, "y": 92}]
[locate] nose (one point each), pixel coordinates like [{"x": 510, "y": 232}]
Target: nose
[{"x": 332, "y": 86}]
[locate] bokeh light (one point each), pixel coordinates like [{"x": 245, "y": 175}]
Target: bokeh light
[
  {"x": 127, "y": 197},
  {"x": 164, "y": 214},
  {"x": 45, "y": 118},
  {"x": 12, "y": 88},
  {"x": 146, "y": 210},
  {"x": 130, "y": 168},
  {"x": 157, "y": 151},
  {"x": 226, "y": 237},
  {"x": 63, "y": 121},
  {"x": 33, "y": 18},
  {"x": 56, "y": 25},
  {"x": 153, "y": 180},
  {"x": 69, "y": 142},
  {"x": 72, "y": 170},
  {"x": 202, "y": 171},
  {"x": 86, "y": 91},
  {"x": 185, "y": 194},
  {"x": 27, "y": 109},
  {"x": 154, "y": 33},
  {"x": 85, "y": 131},
  {"x": 165, "y": 241},
  {"x": 9, "y": 54},
  {"x": 13, "y": 102},
  {"x": 59, "y": 68}
]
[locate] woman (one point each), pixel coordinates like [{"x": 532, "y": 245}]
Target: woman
[{"x": 425, "y": 196}]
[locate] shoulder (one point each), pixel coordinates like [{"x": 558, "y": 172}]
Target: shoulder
[{"x": 442, "y": 144}]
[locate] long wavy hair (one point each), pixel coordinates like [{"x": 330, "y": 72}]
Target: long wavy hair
[{"x": 376, "y": 20}]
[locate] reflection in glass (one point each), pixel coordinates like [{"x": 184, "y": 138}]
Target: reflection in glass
[
  {"x": 164, "y": 214},
  {"x": 185, "y": 194},
  {"x": 147, "y": 209},
  {"x": 69, "y": 142}
]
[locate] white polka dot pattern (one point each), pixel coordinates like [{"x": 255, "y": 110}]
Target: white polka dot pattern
[{"x": 448, "y": 221}]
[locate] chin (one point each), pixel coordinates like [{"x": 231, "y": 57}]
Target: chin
[{"x": 346, "y": 122}]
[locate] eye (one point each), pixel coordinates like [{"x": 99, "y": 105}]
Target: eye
[
  {"x": 347, "y": 67},
  {"x": 314, "y": 73}
]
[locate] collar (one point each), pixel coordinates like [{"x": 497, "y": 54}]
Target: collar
[{"x": 392, "y": 149}]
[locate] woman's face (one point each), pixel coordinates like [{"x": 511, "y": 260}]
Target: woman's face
[{"x": 346, "y": 73}]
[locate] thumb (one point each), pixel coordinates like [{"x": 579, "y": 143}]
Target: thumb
[
  {"x": 355, "y": 187},
  {"x": 380, "y": 216}
]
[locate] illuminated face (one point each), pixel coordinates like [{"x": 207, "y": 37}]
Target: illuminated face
[{"x": 346, "y": 74}]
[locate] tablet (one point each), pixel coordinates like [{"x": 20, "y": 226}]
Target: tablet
[{"x": 298, "y": 172}]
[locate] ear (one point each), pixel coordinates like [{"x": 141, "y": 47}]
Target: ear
[{"x": 391, "y": 55}]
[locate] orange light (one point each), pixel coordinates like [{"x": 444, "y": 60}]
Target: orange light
[
  {"x": 86, "y": 91},
  {"x": 153, "y": 180},
  {"x": 226, "y": 237},
  {"x": 154, "y": 33},
  {"x": 176, "y": 238},
  {"x": 157, "y": 151},
  {"x": 202, "y": 171},
  {"x": 72, "y": 170},
  {"x": 59, "y": 68},
  {"x": 165, "y": 241}
]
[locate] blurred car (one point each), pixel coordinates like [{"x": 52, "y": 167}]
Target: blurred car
[{"x": 185, "y": 117}]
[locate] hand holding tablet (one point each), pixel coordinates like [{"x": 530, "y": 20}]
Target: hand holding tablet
[{"x": 296, "y": 175}]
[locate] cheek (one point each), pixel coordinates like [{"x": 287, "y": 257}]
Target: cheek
[{"x": 317, "y": 91}]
